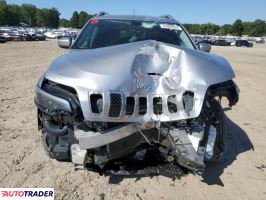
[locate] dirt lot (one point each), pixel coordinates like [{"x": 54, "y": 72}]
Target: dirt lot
[{"x": 241, "y": 174}]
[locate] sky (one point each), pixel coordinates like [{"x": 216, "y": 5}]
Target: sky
[{"x": 189, "y": 11}]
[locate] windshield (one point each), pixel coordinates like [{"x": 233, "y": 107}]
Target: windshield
[{"x": 103, "y": 33}]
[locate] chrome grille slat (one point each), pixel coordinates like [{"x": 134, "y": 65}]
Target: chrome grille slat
[{"x": 120, "y": 107}]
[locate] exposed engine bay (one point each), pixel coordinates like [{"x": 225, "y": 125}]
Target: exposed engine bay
[{"x": 96, "y": 106}]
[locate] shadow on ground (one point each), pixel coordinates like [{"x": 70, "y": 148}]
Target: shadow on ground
[
  {"x": 236, "y": 142},
  {"x": 150, "y": 166}
]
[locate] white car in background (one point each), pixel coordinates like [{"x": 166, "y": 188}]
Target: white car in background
[{"x": 51, "y": 34}]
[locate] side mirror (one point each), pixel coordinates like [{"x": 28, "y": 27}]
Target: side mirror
[
  {"x": 65, "y": 42},
  {"x": 204, "y": 47}
]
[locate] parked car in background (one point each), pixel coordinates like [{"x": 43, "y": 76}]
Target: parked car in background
[
  {"x": 7, "y": 36},
  {"x": 17, "y": 35},
  {"x": 243, "y": 43},
  {"x": 2, "y": 39},
  {"x": 33, "y": 35},
  {"x": 51, "y": 35},
  {"x": 210, "y": 42},
  {"x": 13, "y": 33},
  {"x": 64, "y": 34},
  {"x": 260, "y": 41},
  {"x": 222, "y": 42},
  {"x": 40, "y": 36},
  {"x": 28, "y": 37}
]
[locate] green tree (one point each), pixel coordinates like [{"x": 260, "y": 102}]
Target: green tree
[
  {"x": 193, "y": 28},
  {"x": 41, "y": 18},
  {"x": 47, "y": 17},
  {"x": 74, "y": 21},
  {"x": 29, "y": 14},
  {"x": 4, "y": 13},
  {"x": 83, "y": 18},
  {"x": 209, "y": 29},
  {"x": 204, "y": 29},
  {"x": 247, "y": 27},
  {"x": 238, "y": 27},
  {"x": 54, "y": 16},
  {"x": 64, "y": 23},
  {"x": 226, "y": 29},
  {"x": 14, "y": 14},
  {"x": 258, "y": 29}
]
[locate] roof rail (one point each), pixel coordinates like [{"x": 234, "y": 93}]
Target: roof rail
[
  {"x": 166, "y": 17},
  {"x": 102, "y": 13}
]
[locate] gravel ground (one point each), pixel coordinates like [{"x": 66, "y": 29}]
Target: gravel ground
[{"x": 241, "y": 173}]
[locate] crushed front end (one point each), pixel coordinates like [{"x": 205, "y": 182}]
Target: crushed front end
[{"x": 135, "y": 97}]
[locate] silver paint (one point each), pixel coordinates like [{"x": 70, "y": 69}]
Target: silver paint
[
  {"x": 91, "y": 140},
  {"x": 124, "y": 69}
]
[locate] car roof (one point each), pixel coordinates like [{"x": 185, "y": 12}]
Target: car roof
[{"x": 161, "y": 19}]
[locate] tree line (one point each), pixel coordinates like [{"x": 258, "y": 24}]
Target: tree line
[
  {"x": 76, "y": 21},
  {"x": 13, "y": 15},
  {"x": 238, "y": 28}
]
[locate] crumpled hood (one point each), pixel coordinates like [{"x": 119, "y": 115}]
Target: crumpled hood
[
  {"x": 146, "y": 69},
  {"x": 146, "y": 66}
]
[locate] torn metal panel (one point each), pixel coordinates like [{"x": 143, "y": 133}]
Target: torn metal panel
[
  {"x": 184, "y": 151},
  {"x": 90, "y": 139}
]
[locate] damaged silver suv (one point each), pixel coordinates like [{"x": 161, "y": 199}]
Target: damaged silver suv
[{"x": 129, "y": 84}]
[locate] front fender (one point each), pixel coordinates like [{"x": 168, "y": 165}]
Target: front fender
[{"x": 226, "y": 89}]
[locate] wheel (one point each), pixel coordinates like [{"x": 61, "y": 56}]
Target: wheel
[{"x": 214, "y": 128}]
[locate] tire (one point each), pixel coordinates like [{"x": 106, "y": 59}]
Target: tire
[{"x": 218, "y": 147}]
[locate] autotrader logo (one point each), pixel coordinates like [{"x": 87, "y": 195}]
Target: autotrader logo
[{"x": 27, "y": 193}]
